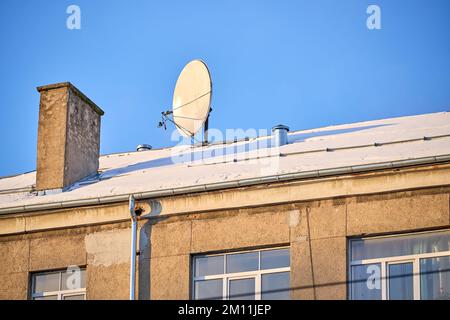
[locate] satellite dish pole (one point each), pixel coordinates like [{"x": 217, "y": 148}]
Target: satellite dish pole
[
  {"x": 205, "y": 135},
  {"x": 205, "y": 129}
]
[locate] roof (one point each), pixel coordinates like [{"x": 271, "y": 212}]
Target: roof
[{"x": 338, "y": 146}]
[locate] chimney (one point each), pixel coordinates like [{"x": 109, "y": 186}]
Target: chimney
[
  {"x": 68, "y": 136},
  {"x": 280, "y": 136}
]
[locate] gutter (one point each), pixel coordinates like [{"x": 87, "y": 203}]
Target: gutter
[{"x": 231, "y": 184}]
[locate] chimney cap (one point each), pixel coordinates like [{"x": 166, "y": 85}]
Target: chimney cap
[
  {"x": 47, "y": 87},
  {"x": 143, "y": 147},
  {"x": 280, "y": 127}
]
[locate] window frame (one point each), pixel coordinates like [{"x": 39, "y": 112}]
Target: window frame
[
  {"x": 386, "y": 261},
  {"x": 415, "y": 277},
  {"x": 60, "y": 294},
  {"x": 226, "y": 277}
]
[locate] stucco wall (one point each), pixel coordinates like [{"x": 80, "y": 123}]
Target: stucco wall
[
  {"x": 316, "y": 231},
  {"x": 51, "y": 139},
  {"x": 83, "y": 139}
]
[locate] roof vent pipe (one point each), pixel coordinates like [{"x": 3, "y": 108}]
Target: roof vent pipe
[
  {"x": 143, "y": 147},
  {"x": 279, "y": 135}
]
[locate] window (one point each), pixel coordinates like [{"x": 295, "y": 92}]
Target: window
[
  {"x": 406, "y": 267},
  {"x": 69, "y": 284},
  {"x": 250, "y": 275}
]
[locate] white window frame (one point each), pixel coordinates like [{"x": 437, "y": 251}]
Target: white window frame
[
  {"x": 59, "y": 293},
  {"x": 384, "y": 262},
  {"x": 226, "y": 277},
  {"x": 416, "y": 276}
]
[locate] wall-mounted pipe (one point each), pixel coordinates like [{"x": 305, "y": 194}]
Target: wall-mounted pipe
[
  {"x": 133, "y": 247},
  {"x": 135, "y": 214}
]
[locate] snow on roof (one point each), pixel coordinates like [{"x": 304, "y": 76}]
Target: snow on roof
[{"x": 329, "y": 147}]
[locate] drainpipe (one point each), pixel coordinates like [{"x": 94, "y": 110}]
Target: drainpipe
[
  {"x": 133, "y": 247},
  {"x": 135, "y": 213}
]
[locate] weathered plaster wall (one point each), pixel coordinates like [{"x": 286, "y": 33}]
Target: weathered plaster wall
[
  {"x": 82, "y": 140},
  {"x": 51, "y": 139},
  {"x": 317, "y": 232},
  {"x": 108, "y": 257},
  {"x": 104, "y": 250}
]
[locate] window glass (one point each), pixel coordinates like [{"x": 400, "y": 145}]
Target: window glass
[
  {"x": 366, "y": 282},
  {"x": 401, "y": 281},
  {"x": 208, "y": 289},
  {"x": 400, "y": 245},
  {"x": 242, "y": 289},
  {"x": 46, "y": 282},
  {"x": 271, "y": 259},
  {"x": 241, "y": 262},
  {"x": 275, "y": 286},
  {"x": 435, "y": 278},
  {"x": 205, "y": 266}
]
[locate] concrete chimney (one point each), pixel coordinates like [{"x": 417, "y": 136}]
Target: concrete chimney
[{"x": 68, "y": 136}]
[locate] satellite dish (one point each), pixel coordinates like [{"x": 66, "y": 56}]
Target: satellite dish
[{"x": 192, "y": 99}]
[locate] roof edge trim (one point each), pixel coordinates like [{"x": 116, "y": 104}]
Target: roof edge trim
[{"x": 230, "y": 184}]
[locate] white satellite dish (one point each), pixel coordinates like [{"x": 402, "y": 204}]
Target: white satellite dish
[{"x": 191, "y": 100}]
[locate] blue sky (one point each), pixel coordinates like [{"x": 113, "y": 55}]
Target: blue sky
[{"x": 303, "y": 63}]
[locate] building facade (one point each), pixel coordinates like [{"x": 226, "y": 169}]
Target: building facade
[{"x": 349, "y": 212}]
